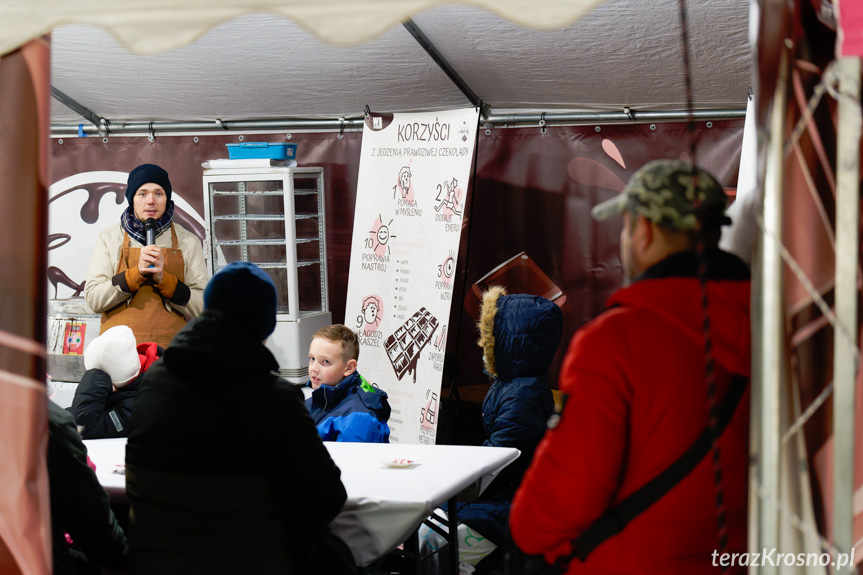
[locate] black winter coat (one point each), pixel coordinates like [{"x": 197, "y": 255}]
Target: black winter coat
[
  {"x": 79, "y": 504},
  {"x": 226, "y": 472},
  {"x": 99, "y": 411}
]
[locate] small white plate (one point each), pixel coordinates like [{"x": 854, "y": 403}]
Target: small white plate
[{"x": 399, "y": 462}]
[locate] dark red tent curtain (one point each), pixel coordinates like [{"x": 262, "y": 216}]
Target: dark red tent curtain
[{"x": 24, "y": 541}]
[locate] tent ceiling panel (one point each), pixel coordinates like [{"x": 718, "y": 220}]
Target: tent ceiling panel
[
  {"x": 622, "y": 53},
  {"x": 265, "y": 67},
  {"x": 255, "y": 67}
]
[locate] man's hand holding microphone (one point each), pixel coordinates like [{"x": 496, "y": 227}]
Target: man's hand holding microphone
[{"x": 151, "y": 261}]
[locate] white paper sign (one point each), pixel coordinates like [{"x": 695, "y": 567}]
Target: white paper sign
[{"x": 413, "y": 180}]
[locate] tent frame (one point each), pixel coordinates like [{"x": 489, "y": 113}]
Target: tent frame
[
  {"x": 539, "y": 119},
  {"x": 845, "y": 350}
]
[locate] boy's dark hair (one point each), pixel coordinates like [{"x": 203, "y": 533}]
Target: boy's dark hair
[{"x": 338, "y": 333}]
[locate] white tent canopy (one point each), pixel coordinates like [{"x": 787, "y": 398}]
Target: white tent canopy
[
  {"x": 264, "y": 66},
  {"x": 152, "y": 26}
]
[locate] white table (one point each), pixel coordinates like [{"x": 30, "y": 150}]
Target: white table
[{"x": 385, "y": 505}]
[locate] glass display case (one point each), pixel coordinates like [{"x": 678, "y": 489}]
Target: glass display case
[{"x": 274, "y": 218}]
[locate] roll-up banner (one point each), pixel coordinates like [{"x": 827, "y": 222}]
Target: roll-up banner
[{"x": 413, "y": 181}]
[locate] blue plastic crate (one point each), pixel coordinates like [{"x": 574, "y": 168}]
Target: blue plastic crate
[{"x": 264, "y": 150}]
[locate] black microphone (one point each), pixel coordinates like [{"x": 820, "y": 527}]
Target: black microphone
[{"x": 150, "y": 228}]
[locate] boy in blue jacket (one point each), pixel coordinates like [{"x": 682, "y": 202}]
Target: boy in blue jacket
[{"x": 344, "y": 406}]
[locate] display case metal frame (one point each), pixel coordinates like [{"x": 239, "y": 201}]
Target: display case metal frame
[
  {"x": 296, "y": 325},
  {"x": 241, "y": 176}
]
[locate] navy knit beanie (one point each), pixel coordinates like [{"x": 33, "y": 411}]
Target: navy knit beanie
[
  {"x": 246, "y": 293},
  {"x": 147, "y": 174}
]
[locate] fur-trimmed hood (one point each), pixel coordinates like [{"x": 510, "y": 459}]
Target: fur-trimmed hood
[{"x": 519, "y": 334}]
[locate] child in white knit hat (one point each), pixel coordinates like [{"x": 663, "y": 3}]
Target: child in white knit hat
[
  {"x": 106, "y": 395},
  {"x": 115, "y": 353}
]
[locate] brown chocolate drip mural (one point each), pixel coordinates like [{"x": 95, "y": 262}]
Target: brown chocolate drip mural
[
  {"x": 95, "y": 191},
  {"x": 57, "y": 276},
  {"x": 57, "y": 240},
  {"x": 188, "y": 222}
]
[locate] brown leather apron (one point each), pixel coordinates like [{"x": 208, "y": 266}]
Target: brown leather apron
[{"x": 147, "y": 312}]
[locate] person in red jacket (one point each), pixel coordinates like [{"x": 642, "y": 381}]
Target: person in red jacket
[{"x": 636, "y": 393}]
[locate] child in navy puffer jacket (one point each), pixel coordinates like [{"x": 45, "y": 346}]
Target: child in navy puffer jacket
[{"x": 519, "y": 336}]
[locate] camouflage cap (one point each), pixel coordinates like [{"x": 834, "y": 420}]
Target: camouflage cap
[{"x": 663, "y": 192}]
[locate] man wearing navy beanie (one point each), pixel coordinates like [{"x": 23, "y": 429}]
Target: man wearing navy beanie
[
  {"x": 151, "y": 285},
  {"x": 147, "y": 173},
  {"x": 217, "y": 435}
]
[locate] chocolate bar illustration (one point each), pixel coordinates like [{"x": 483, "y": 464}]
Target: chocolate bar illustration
[{"x": 404, "y": 346}]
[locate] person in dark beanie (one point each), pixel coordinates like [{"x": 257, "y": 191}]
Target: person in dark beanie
[
  {"x": 247, "y": 294},
  {"x": 218, "y": 444},
  {"x": 153, "y": 289}
]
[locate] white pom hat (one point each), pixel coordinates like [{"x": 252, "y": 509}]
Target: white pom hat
[{"x": 114, "y": 352}]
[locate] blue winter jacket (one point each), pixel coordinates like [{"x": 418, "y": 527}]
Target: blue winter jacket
[
  {"x": 527, "y": 333},
  {"x": 352, "y": 411}
]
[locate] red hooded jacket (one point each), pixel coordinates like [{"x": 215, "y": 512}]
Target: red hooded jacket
[{"x": 635, "y": 380}]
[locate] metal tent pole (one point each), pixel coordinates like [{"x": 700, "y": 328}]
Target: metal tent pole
[
  {"x": 768, "y": 333},
  {"x": 607, "y": 117},
  {"x": 444, "y": 65},
  {"x": 845, "y": 340},
  {"x": 500, "y": 120},
  {"x": 75, "y": 106}
]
